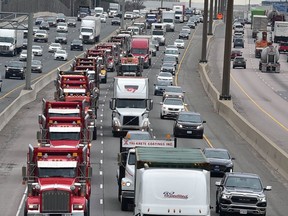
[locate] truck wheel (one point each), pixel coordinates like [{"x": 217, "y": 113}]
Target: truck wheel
[
  {"x": 217, "y": 208},
  {"x": 25, "y": 210},
  {"x": 149, "y": 62},
  {"x": 124, "y": 204},
  {"x": 95, "y": 133},
  {"x": 119, "y": 191},
  {"x": 222, "y": 213}
]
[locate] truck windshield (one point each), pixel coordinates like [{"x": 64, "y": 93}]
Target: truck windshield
[
  {"x": 7, "y": 39},
  {"x": 151, "y": 17},
  {"x": 178, "y": 12},
  {"x": 131, "y": 103},
  {"x": 157, "y": 32},
  {"x": 168, "y": 20},
  {"x": 57, "y": 172},
  {"x": 139, "y": 51},
  {"x": 129, "y": 68},
  {"x": 64, "y": 136},
  {"x": 86, "y": 30}
]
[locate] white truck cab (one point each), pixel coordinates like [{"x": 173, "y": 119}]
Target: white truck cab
[{"x": 158, "y": 31}]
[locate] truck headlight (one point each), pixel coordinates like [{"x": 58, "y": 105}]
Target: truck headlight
[
  {"x": 146, "y": 124},
  {"x": 199, "y": 127},
  {"x": 80, "y": 36},
  {"x": 226, "y": 196},
  {"x": 127, "y": 184},
  {"x": 179, "y": 125},
  {"x": 262, "y": 198},
  {"x": 33, "y": 206},
  {"x": 78, "y": 206},
  {"x": 116, "y": 123}
]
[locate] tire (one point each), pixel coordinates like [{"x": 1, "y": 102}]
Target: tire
[
  {"x": 222, "y": 213},
  {"x": 217, "y": 208},
  {"x": 95, "y": 133},
  {"x": 124, "y": 204},
  {"x": 6, "y": 76},
  {"x": 119, "y": 191},
  {"x": 233, "y": 67},
  {"x": 244, "y": 67},
  {"x": 25, "y": 210},
  {"x": 22, "y": 77},
  {"x": 161, "y": 116}
]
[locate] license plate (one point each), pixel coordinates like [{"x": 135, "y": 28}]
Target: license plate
[
  {"x": 243, "y": 211},
  {"x": 189, "y": 132}
]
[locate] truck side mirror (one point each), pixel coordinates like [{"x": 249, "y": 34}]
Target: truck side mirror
[
  {"x": 39, "y": 136},
  {"x": 112, "y": 104},
  {"x": 89, "y": 172},
  {"x": 119, "y": 159},
  {"x": 149, "y": 105},
  {"x": 24, "y": 175}
]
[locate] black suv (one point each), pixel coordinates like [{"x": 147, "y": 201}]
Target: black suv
[
  {"x": 238, "y": 42},
  {"x": 241, "y": 193},
  {"x": 15, "y": 69},
  {"x": 239, "y": 61}
]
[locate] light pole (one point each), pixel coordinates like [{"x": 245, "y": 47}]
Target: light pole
[
  {"x": 123, "y": 12},
  {"x": 204, "y": 34}
]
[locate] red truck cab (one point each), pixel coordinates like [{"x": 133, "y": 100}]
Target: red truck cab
[{"x": 140, "y": 48}]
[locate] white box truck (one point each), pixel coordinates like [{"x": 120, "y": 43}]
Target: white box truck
[
  {"x": 11, "y": 41},
  {"x": 90, "y": 29},
  {"x": 126, "y": 163},
  {"x": 113, "y": 10},
  {"x": 168, "y": 19},
  {"x": 98, "y": 11},
  {"x": 158, "y": 32},
  {"x": 179, "y": 13},
  {"x": 260, "y": 23},
  {"x": 130, "y": 105},
  {"x": 280, "y": 31},
  {"x": 171, "y": 181}
]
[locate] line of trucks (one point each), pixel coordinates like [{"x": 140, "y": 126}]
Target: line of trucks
[{"x": 58, "y": 171}]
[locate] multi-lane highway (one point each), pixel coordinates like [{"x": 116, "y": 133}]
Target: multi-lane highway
[
  {"x": 21, "y": 131},
  {"x": 260, "y": 97}
]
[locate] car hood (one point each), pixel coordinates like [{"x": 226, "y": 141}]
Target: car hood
[{"x": 243, "y": 191}]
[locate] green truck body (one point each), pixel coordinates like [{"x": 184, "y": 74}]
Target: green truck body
[{"x": 171, "y": 158}]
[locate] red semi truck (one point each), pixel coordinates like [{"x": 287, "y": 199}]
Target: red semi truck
[
  {"x": 58, "y": 181},
  {"x": 140, "y": 47}
]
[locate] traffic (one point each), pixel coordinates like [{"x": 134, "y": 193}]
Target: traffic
[{"x": 152, "y": 123}]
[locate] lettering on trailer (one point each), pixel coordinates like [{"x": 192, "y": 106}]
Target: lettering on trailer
[
  {"x": 126, "y": 143},
  {"x": 131, "y": 88},
  {"x": 172, "y": 194}
]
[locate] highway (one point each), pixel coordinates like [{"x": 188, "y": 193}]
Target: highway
[
  {"x": 21, "y": 131},
  {"x": 261, "y": 98}
]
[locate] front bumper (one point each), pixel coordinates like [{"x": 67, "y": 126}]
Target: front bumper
[
  {"x": 242, "y": 209},
  {"x": 188, "y": 132}
]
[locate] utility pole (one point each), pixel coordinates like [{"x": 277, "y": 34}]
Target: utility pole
[
  {"x": 204, "y": 34},
  {"x": 210, "y": 17},
  {"x": 215, "y": 9},
  {"x": 29, "y": 52},
  {"x": 190, "y": 4},
  {"x": 123, "y": 12},
  {"x": 225, "y": 95}
]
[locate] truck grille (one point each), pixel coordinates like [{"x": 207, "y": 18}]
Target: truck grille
[
  {"x": 241, "y": 199},
  {"x": 4, "y": 48},
  {"x": 131, "y": 120},
  {"x": 85, "y": 37},
  {"x": 55, "y": 201}
]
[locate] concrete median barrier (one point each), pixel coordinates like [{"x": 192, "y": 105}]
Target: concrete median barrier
[{"x": 261, "y": 143}]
